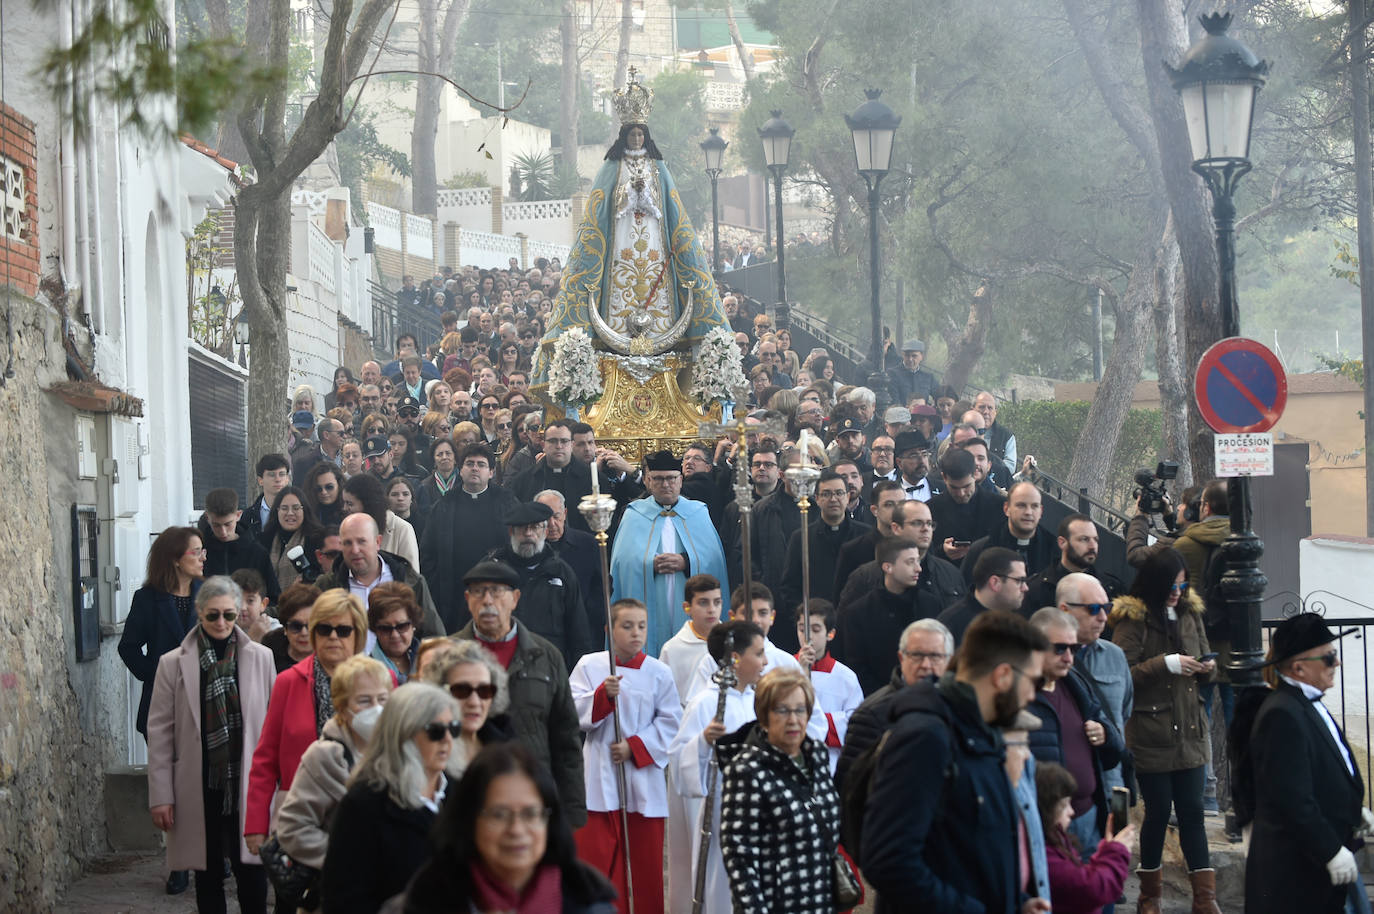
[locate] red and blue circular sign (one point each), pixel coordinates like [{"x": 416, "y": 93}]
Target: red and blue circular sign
[{"x": 1240, "y": 386}]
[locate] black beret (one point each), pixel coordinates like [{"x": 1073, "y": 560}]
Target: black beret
[
  {"x": 499, "y": 572},
  {"x": 525, "y": 513}
]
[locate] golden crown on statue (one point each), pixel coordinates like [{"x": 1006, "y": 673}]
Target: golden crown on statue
[{"x": 634, "y": 102}]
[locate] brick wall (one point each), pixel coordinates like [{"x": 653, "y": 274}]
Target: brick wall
[{"x": 19, "y": 264}]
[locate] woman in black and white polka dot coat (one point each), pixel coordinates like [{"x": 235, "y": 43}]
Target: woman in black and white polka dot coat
[{"x": 780, "y": 812}]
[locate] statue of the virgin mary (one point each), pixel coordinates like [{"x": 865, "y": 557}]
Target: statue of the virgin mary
[{"x": 637, "y": 277}]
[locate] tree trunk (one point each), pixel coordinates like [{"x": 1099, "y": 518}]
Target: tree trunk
[
  {"x": 1173, "y": 385},
  {"x": 1364, "y": 202},
  {"x": 1164, "y": 36},
  {"x": 424, "y": 181},
  {"x": 622, "y": 54},
  {"x": 746, "y": 59},
  {"x": 966, "y": 347},
  {"x": 1092, "y": 458},
  {"x": 567, "y": 110}
]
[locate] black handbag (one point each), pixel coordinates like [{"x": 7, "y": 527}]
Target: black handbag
[
  {"x": 848, "y": 892},
  {"x": 290, "y": 878}
]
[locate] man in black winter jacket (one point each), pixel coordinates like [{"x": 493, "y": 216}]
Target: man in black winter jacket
[
  {"x": 550, "y": 601},
  {"x": 226, "y": 551},
  {"x": 924, "y": 652},
  {"x": 867, "y": 629},
  {"x": 940, "y": 581},
  {"x": 940, "y": 823}
]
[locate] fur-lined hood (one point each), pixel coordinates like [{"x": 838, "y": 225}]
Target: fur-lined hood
[{"x": 1133, "y": 608}]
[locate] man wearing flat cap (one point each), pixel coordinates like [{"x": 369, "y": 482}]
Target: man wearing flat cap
[
  {"x": 541, "y": 705},
  {"x": 1308, "y": 793},
  {"x": 661, "y": 542},
  {"x": 910, "y": 379},
  {"x": 550, "y": 595}
]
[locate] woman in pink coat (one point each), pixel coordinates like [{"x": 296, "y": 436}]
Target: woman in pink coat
[{"x": 208, "y": 705}]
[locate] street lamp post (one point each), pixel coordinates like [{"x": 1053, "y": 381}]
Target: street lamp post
[
  {"x": 776, "y": 134},
  {"x": 1218, "y": 81},
  {"x": 874, "y": 126},
  {"x": 713, "y": 147}
]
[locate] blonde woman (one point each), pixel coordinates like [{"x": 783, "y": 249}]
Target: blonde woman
[{"x": 479, "y": 684}]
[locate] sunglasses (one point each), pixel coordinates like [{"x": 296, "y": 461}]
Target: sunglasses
[
  {"x": 1327, "y": 659},
  {"x": 1092, "y": 608},
  {"x": 1061, "y": 648},
  {"x": 325, "y": 630},
  {"x": 399, "y": 628},
  {"x": 230, "y": 615},
  {"x": 435, "y": 732},
  {"x": 295, "y": 627},
  {"x": 407, "y": 412},
  {"x": 463, "y": 690},
  {"x": 1178, "y": 588}
]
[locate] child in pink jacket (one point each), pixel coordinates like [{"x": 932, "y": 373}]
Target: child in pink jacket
[{"x": 1078, "y": 887}]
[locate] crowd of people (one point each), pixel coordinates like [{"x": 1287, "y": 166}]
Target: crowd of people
[{"x": 397, "y": 679}]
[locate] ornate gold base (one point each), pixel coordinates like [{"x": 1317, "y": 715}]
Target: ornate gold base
[{"x": 638, "y": 418}]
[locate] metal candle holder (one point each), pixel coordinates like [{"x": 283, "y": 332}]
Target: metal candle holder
[
  {"x": 599, "y": 510},
  {"x": 803, "y": 478}
]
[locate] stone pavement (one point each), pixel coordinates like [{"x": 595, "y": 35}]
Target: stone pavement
[{"x": 133, "y": 884}]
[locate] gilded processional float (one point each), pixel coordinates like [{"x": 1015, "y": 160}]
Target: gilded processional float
[{"x": 638, "y": 346}]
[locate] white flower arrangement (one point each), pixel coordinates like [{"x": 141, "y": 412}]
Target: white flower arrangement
[
  {"x": 574, "y": 377},
  {"x": 717, "y": 370}
]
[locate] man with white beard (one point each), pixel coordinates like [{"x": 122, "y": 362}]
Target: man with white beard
[{"x": 550, "y": 595}]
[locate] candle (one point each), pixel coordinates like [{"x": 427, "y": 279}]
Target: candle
[
  {"x": 802, "y": 442},
  {"x": 596, "y": 482}
]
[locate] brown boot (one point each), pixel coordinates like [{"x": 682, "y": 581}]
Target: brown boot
[
  {"x": 1151, "y": 885},
  {"x": 1204, "y": 891}
]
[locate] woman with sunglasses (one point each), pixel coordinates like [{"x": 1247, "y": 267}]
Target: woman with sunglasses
[
  {"x": 323, "y": 488},
  {"x": 301, "y": 704},
  {"x": 509, "y": 354},
  {"x": 473, "y": 677},
  {"x": 380, "y": 833},
  {"x": 360, "y": 687},
  {"x": 208, "y": 707},
  {"x": 290, "y": 644},
  {"x": 289, "y": 525},
  {"x": 1159, "y": 627},
  {"x": 394, "y": 616}
]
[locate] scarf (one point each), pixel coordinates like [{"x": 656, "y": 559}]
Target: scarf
[
  {"x": 442, "y": 485},
  {"x": 543, "y": 894},
  {"x": 221, "y": 719},
  {"x": 324, "y": 698}
]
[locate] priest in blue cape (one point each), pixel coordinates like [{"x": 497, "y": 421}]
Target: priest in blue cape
[
  {"x": 662, "y": 541},
  {"x": 636, "y": 259}
]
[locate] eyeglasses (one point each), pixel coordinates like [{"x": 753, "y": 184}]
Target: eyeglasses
[
  {"x": 1328, "y": 659},
  {"x": 923, "y": 656},
  {"x": 324, "y": 630},
  {"x": 214, "y": 614},
  {"x": 290, "y": 509},
  {"x": 922, "y": 525},
  {"x": 196, "y": 553},
  {"x": 881, "y": 450},
  {"x": 503, "y": 425},
  {"x": 799, "y": 711},
  {"x": 295, "y": 627},
  {"x": 529, "y": 816},
  {"x": 835, "y": 493},
  {"x": 489, "y": 590},
  {"x": 400, "y": 628},
  {"x": 1092, "y": 608},
  {"x": 1017, "y": 581},
  {"x": 464, "y": 690},
  {"x": 1061, "y": 648},
  {"x": 435, "y": 732},
  {"x": 490, "y": 405}
]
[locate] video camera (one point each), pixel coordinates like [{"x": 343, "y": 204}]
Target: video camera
[
  {"x": 304, "y": 563},
  {"x": 1151, "y": 496}
]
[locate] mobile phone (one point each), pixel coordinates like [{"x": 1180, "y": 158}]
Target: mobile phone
[
  {"x": 1205, "y": 657},
  {"x": 959, "y": 544},
  {"x": 1119, "y": 807}
]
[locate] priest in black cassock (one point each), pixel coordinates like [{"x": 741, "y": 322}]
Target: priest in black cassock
[{"x": 558, "y": 471}]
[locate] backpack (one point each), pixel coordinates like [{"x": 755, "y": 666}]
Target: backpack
[
  {"x": 858, "y": 782},
  {"x": 1215, "y": 618},
  {"x": 1243, "y": 799}
]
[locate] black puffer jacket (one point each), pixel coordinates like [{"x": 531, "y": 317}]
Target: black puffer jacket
[{"x": 779, "y": 825}]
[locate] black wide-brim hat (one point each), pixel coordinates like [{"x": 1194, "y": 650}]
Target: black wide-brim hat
[{"x": 1302, "y": 633}]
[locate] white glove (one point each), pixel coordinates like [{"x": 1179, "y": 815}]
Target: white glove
[
  {"x": 1342, "y": 868},
  {"x": 1366, "y": 823}
]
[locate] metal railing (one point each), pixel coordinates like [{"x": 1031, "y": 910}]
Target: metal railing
[
  {"x": 1104, "y": 514},
  {"x": 390, "y": 320}
]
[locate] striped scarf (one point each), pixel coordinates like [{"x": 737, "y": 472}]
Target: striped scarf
[
  {"x": 442, "y": 485},
  {"x": 221, "y": 719}
]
